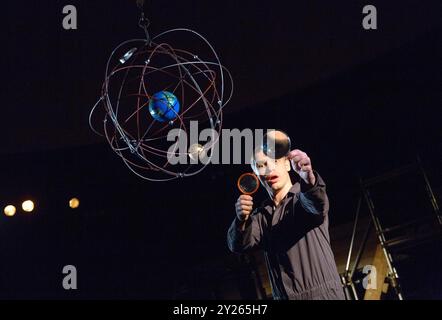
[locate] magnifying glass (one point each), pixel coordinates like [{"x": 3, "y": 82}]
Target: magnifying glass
[
  {"x": 248, "y": 183},
  {"x": 276, "y": 144}
]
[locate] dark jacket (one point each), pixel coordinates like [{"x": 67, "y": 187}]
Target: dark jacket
[{"x": 295, "y": 239}]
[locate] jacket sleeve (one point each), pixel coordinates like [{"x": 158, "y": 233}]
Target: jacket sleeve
[
  {"x": 240, "y": 241},
  {"x": 314, "y": 199}
]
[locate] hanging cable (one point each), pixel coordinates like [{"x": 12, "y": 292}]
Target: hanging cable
[{"x": 144, "y": 21}]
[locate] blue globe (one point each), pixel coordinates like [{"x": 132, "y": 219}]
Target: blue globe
[{"x": 164, "y": 106}]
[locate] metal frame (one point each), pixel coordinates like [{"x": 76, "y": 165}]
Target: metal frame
[{"x": 348, "y": 276}]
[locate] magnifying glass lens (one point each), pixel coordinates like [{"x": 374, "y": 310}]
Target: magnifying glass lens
[
  {"x": 248, "y": 183},
  {"x": 276, "y": 144}
]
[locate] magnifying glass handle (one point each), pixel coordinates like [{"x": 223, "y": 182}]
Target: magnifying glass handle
[{"x": 244, "y": 217}]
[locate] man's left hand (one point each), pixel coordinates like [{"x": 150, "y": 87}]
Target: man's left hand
[{"x": 302, "y": 165}]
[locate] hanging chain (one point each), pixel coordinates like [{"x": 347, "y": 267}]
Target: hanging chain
[{"x": 143, "y": 22}]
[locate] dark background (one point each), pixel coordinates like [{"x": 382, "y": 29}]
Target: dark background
[{"x": 358, "y": 102}]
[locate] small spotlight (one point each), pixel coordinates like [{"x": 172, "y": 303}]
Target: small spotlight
[
  {"x": 74, "y": 203},
  {"x": 27, "y": 206},
  {"x": 9, "y": 210}
]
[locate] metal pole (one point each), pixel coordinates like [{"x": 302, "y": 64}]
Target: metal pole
[
  {"x": 347, "y": 266},
  {"x": 347, "y": 279},
  {"x": 430, "y": 192},
  {"x": 393, "y": 275}
]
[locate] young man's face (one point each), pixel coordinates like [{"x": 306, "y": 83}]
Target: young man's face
[{"x": 274, "y": 173}]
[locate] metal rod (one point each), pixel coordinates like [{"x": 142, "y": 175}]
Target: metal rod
[
  {"x": 386, "y": 176},
  {"x": 392, "y": 271},
  {"x": 347, "y": 266},
  {"x": 430, "y": 192},
  {"x": 361, "y": 249},
  {"x": 400, "y": 226}
]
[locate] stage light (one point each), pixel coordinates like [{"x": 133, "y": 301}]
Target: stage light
[
  {"x": 9, "y": 210},
  {"x": 27, "y": 206},
  {"x": 74, "y": 203}
]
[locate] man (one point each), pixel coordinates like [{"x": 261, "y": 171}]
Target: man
[{"x": 291, "y": 228}]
